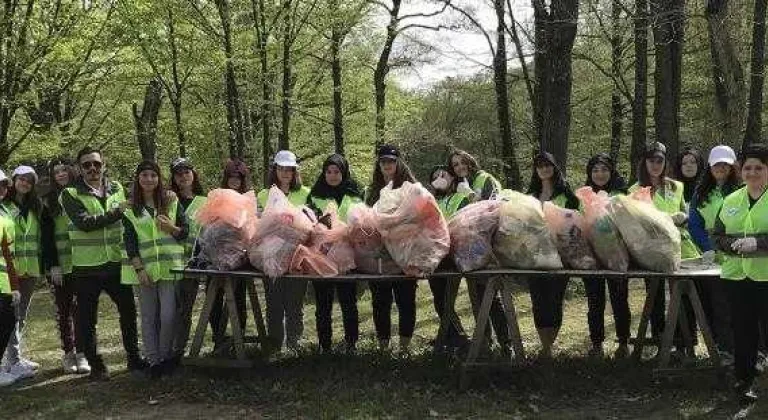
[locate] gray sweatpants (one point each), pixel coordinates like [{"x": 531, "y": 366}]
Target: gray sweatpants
[
  {"x": 285, "y": 310},
  {"x": 26, "y": 289},
  {"x": 157, "y": 304}
]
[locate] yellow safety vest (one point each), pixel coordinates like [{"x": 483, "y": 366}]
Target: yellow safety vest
[
  {"x": 740, "y": 220},
  {"x": 159, "y": 251},
  {"x": 27, "y": 238},
  {"x": 295, "y": 197},
  {"x": 194, "y": 227},
  {"x": 100, "y": 246},
  {"x": 450, "y": 204},
  {"x": 346, "y": 204},
  {"x": 6, "y": 230},
  {"x": 481, "y": 177}
]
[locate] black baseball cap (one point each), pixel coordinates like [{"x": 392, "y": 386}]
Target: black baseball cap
[
  {"x": 180, "y": 164},
  {"x": 656, "y": 149},
  {"x": 388, "y": 151}
]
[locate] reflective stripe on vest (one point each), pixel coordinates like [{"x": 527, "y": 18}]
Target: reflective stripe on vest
[
  {"x": 346, "y": 204},
  {"x": 194, "y": 227},
  {"x": 297, "y": 197},
  {"x": 100, "y": 246},
  {"x": 739, "y": 220},
  {"x": 27, "y": 244},
  {"x": 451, "y": 204},
  {"x": 61, "y": 237},
  {"x": 159, "y": 251}
]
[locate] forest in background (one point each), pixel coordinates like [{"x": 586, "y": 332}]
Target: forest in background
[{"x": 213, "y": 79}]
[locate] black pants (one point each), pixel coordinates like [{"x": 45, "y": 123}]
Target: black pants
[
  {"x": 498, "y": 319},
  {"x": 218, "y": 311},
  {"x": 714, "y": 300},
  {"x": 324, "y": 294},
  {"x": 748, "y": 309},
  {"x": 7, "y": 321},
  {"x": 547, "y": 296},
  {"x": 455, "y": 333},
  {"x": 618, "y": 293},
  {"x": 89, "y": 284},
  {"x": 404, "y": 294},
  {"x": 658, "y": 314}
]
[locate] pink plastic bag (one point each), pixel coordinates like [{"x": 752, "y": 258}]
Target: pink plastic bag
[
  {"x": 282, "y": 228},
  {"x": 230, "y": 207},
  {"x": 601, "y": 231},
  {"x": 371, "y": 256},
  {"x": 309, "y": 261},
  {"x": 471, "y": 230},
  {"x": 642, "y": 194},
  {"x": 567, "y": 229},
  {"x": 334, "y": 242},
  {"x": 413, "y": 228}
]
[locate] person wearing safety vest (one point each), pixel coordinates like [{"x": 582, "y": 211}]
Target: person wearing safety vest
[
  {"x": 154, "y": 230},
  {"x": 9, "y": 286},
  {"x": 95, "y": 207},
  {"x": 549, "y": 184},
  {"x": 285, "y": 298},
  {"x": 185, "y": 182},
  {"x": 450, "y": 201},
  {"x": 720, "y": 179},
  {"x": 335, "y": 184},
  {"x": 741, "y": 235},
  {"x": 235, "y": 176},
  {"x": 603, "y": 176},
  {"x": 390, "y": 167},
  {"x": 480, "y": 185},
  {"x": 57, "y": 263},
  {"x": 668, "y": 197},
  {"x": 23, "y": 206}
]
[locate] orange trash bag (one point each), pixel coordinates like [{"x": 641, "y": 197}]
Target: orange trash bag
[
  {"x": 282, "y": 228},
  {"x": 333, "y": 241},
  {"x": 309, "y": 261},
  {"x": 371, "y": 256},
  {"x": 230, "y": 207},
  {"x": 567, "y": 229},
  {"x": 602, "y": 233},
  {"x": 471, "y": 230}
]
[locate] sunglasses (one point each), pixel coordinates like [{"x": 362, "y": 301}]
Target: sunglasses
[{"x": 91, "y": 164}]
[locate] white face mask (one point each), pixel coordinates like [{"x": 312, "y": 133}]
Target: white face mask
[{"x": 440, "y": 184}]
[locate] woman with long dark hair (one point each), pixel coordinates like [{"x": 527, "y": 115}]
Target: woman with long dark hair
[
  {"x": 185, "y": 183},
  {"x": 689, "y": 167},
  {"x": 391, "y": 168},
  {"x": 154, "y": 230},
  {"x": 335, "y": 184},
  {"x": 57, "y": 262},
  {"x": 603, "y": 176},
  {"x": 549, "y": 184}
]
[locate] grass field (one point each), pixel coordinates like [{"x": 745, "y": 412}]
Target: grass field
[{"x": 371, "y": 384}]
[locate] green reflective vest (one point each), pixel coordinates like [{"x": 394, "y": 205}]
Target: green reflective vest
[
  {"x": 99, "y": 246},
  {"x": 27, "y": 242},
  {"x": 478, "y": 183},
  {"x": 711, "y": 209},
  {"x": 159, "y": 251},
  {"x": 740, "y": 220},
  {"x": 346, "y": 204},
  {"x": 61, "y": 237},
  {"x": 450, "y": 204},
  {"x": 6, "y": 230},
  {"x": 297, "y": 197},
  {"x": 194, "y": 227},
  {"x": 671, "y": 200}
]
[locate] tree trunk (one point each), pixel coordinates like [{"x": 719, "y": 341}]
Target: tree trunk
[
  {"x": 668, "y": 36},
  {"x": 754, "y": 133},
  {"x": 146, "y": 121},
  {"x": 337, "y": 38},
  {"x": 381, "y": 71},
  {"x": 283, "y": 142},
  {"x": 640, "y": 100},
  {"x": 617, "y": 107},
  {"x": 557, "y": 29},
  {"x": 262, "y": 36},
  {"x": 521, "y": 57},
  {"x": 234, "y": 115},
  {"x": 178, "y": 87},
  {"x": 727, "y": 73},
  {"x": 508, "y": 143}
]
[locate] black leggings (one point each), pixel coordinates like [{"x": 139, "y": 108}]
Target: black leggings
[
  {"x": 658, "y": 314},
  {"x": 7, "y": 321},
  {"x": 748, "y": 311},
  {"x": 218, "y": 312},
  {"x": 404, "y": 294},
  {"x": 618, "y": 292},
  {"x": 324, "y": 294},
  {"x": 547, "y": 296}
]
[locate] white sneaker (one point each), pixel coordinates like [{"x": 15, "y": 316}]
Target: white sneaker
[
  {"x": 21, "y": 371},
  {"x": 7, "y": 379},
  {"x": 29, "y": 364},
  {"x": 69, "y": 362},
  {"x": 82, "y": 364}
]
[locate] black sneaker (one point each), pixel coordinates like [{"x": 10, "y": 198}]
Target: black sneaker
[
  {"x": 137, "y": 364},
  {"x": 169, "y": 366},
  {"x": 156, "y": 371},
  {"x": 99, "y": 374},
  {"x": 745, "y": 392}
]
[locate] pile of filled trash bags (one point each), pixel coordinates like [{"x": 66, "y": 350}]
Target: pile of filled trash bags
[{"x": 405, "y": 233}]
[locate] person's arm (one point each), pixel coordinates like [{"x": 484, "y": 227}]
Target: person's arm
[
  {"x": 721, "y": 240},
  {"x": 84, "y": 221},
  {"x": 131, "y": 239},
  {"x": 181, "y": 223},
  {"x": 50, "y": 254},
  {"x": 697, "y": 230}
]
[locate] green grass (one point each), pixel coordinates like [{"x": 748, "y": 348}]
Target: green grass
[{"x": 370, "y": 384}]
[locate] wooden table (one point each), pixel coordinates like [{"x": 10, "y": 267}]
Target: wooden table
[{"x": 499, "y": 280}]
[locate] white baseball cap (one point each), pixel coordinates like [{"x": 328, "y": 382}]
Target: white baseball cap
[
  {"x": 722, "y": 154},
  {"x": 3, "y": 177},
  {"x": 24, "y": 170},
  {"x": 286, "y": 159}
]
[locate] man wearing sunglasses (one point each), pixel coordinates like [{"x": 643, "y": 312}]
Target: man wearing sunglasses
[{"x": 95, "y": 206}]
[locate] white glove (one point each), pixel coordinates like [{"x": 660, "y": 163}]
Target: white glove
[
  {"x": 708, "y": 258},
  {"x": 679, "y": 218},
  {"x": 15, "y": 297},
  {"x": 744, "y": 245},
  {"x": 56, "y": 276}
]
